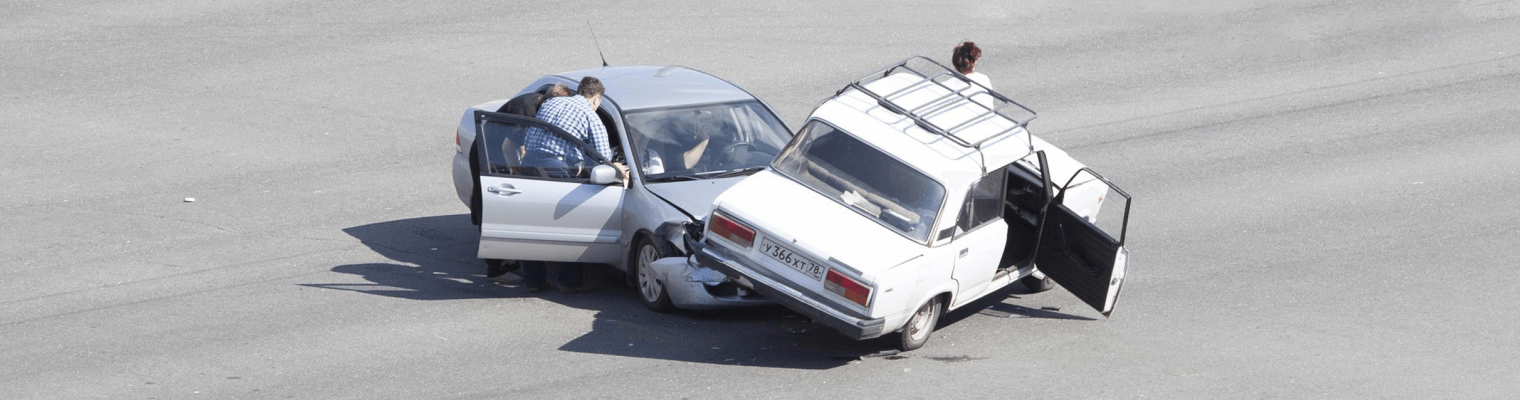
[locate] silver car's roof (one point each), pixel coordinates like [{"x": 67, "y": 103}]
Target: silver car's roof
[{"x": 649, "y": 86}]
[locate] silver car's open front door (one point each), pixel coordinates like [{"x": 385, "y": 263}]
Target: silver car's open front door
[
  {"x": 549, "y": 212},
  {"x": 1075, "y": 251}
]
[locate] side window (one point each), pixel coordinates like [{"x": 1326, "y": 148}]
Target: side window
[
  {"x": 504, "y": 147},
  {"x": 984, "y": 203},
  {"x": 614, "y": 139},
  {"x": 1085, "y": 196}
]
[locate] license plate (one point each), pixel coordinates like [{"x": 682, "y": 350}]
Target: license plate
[{"x": 792, "y": 259}]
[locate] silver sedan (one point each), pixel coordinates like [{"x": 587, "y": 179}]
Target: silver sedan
[{"x": 686, "y": 136}]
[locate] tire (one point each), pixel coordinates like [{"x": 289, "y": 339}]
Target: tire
[
  {"x": 651, "y": 291},
  {"x": 918, "y": 329},
  {"x": 1037, "y": 284}
]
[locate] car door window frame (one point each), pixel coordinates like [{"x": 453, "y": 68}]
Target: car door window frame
[
  {"x": 995, "y": 177},
  {"x": 483, "y": 117},
  {"x": 1060, "y": 198}
]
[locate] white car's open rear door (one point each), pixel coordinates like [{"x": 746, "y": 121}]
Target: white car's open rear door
[{"x": 1079, "y": 255}]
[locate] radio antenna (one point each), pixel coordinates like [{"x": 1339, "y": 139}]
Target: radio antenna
[{"x": 598, "y": 44}]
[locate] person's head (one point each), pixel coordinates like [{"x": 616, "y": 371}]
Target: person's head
[
  {"x": 703, "y": 126},
  {"x": 591, "y": 88},
  {"x": 965, "y": 56},
  {"x": 557, "y": 90}
]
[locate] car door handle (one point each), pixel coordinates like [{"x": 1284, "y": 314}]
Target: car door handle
[
  {"x": 964, "y": 251},
  {"x": 504, "y": 189}
]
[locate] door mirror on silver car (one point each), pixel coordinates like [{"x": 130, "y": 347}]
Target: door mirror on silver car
[{"x": 604, "y": 175}]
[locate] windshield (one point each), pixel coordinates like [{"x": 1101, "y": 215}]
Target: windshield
[
  {"x": 864, "y": 179},
  {"x": 705, "y": 141}
]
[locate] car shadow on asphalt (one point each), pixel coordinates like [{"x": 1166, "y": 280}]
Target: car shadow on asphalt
[
  {"x": 435, "y": 260},
  {"x": 995, "y": 305}
]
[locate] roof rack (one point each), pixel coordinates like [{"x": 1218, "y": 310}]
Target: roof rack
[{"x": 934, "y": 73}]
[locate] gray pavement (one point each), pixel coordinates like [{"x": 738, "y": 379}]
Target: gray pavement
[{"x": 1325, "y": 198}]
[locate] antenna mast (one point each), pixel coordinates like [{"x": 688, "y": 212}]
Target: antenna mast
[{"x": 598, "y": 44}]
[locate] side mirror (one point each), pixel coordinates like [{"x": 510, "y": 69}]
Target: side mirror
[{"x": 604, "y": 175}]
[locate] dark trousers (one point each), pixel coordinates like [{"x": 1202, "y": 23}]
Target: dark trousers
[{"x": 534, "y": 273}]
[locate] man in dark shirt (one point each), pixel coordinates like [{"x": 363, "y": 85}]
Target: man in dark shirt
[{"x": 527, "y": 105}]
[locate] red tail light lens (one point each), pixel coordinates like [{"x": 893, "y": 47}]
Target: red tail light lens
[
  {"x": 849, "y": 288},
  {"x": 732, "y": 231}
]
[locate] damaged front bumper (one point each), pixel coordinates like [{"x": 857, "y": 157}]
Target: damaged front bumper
[{"x": 692, "y": 287}]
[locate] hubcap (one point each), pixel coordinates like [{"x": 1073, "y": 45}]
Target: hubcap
[
  {"x": 648, "y": 286},
  {"x": 921, "y": 321}
]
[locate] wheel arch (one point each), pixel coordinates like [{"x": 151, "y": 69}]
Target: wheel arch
[
  {"x": 944, "y": 295},
  {"x": 631, "y": 259}
]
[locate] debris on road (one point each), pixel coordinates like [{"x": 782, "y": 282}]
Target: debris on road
[{"x": 989, "y": 311}]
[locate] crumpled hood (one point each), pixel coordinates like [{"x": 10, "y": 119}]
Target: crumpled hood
[
  {"x": 694, "y": 197},
  {"x": 798, "y": 217}
]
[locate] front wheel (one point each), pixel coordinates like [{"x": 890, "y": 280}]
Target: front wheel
[
  {"x": 917, "y": 331},
  {"x": 651, "y": 291}
]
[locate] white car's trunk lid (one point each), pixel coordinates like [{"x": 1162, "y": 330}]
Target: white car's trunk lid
[{"x": 804, "y": 221}]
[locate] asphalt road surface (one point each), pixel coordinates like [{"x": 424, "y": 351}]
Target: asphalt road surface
[{"x": 1325, "y": 200}]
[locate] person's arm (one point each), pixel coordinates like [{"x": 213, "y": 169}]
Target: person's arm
[
  {"x": 599, "y": 137},
  {"x": 690, "y": 157},
  {"x": 600, "y": 143}
]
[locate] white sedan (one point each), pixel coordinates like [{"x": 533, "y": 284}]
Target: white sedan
[{"x": 903, "y": 198}]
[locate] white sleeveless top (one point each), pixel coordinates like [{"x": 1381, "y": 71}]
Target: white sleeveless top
[{"x": 981, "y": 78}]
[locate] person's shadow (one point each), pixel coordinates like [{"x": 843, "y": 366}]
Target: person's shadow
[{"x": 434, "y": 259}]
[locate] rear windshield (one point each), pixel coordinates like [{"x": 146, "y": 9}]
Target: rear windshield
[{"x": 864, "y": 179}]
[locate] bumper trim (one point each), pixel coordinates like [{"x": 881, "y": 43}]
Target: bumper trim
[
  {"x": 677, "y": 275},
  {"x": 858, "y": 328}
]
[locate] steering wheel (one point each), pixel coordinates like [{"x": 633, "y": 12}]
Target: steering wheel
[{"x": 727, "y": 154}]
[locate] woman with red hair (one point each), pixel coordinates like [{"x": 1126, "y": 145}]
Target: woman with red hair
[{"x": 964, "y": 59}]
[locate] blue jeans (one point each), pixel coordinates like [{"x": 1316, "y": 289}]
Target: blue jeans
[
  {"x": 548, "y": 166},
  {"x": 534, "y": 273}
]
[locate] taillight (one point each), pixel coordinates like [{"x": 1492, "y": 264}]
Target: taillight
[
  {"x": 849, "y": 288},
  {"x": 732, "y": 231}
]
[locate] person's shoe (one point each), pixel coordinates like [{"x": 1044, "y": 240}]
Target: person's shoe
[
  {"x": 508, "y": 278},
  {"x": 495, "y": 268},
  {"x": 575, "y": 289}
]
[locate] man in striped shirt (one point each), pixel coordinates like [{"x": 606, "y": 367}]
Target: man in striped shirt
[{"x": 576, "y": 115}]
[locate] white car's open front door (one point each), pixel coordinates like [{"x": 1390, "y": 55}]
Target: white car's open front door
[
  {"x": 1079, "y": 255},
  {"x": 542, "y": 212}
]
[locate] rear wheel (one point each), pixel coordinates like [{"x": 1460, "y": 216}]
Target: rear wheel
[
  {"x": 651, "y": 291},
  {"x": 917, "y": 331}
]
